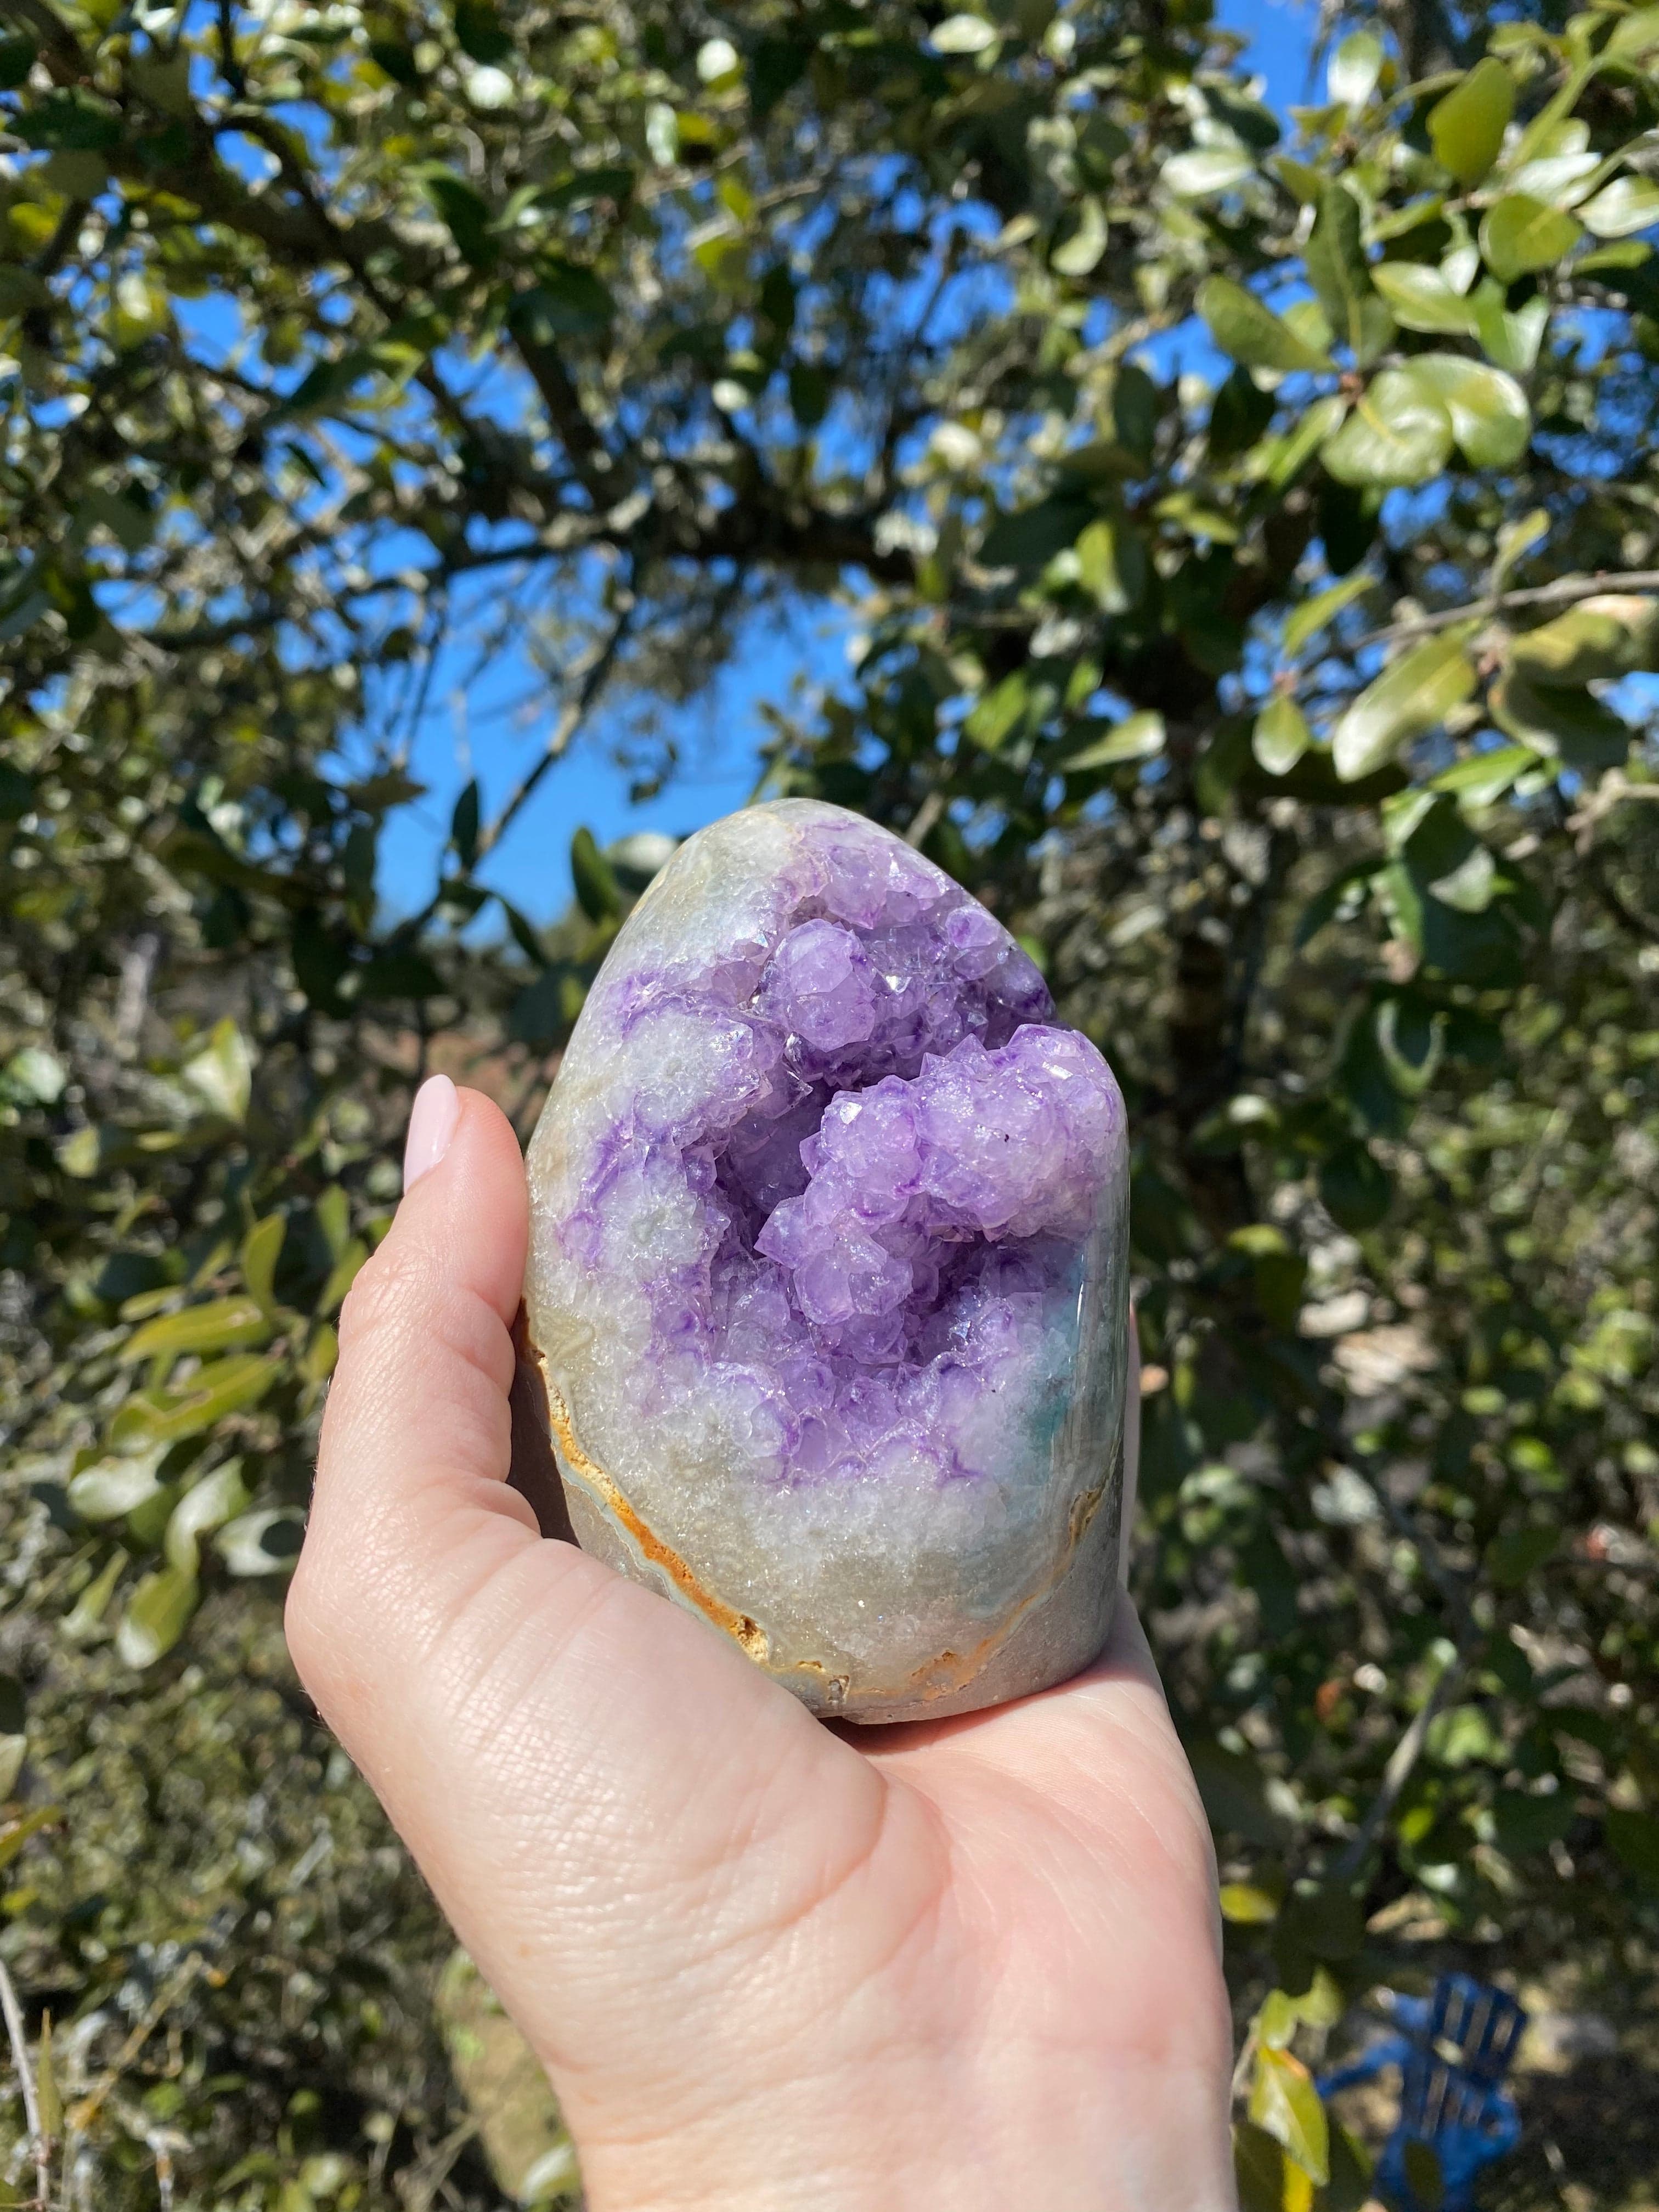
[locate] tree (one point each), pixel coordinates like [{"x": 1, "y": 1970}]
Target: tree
[{"x": 1255, "y": 548}]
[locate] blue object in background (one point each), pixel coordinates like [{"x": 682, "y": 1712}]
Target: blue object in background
[{"x": 1453, "y": 2050}]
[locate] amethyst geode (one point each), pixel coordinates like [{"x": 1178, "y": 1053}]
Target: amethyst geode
[{"x": 827, "y": 1273}]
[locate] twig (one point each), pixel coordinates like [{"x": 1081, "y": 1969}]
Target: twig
[
  {"x": 1614, "y": 788},
  {"x": 1395, "y": 1775},
  {"x": 924, "y": 818},
  {"x": 20, "y": 2051},
  {"x": 593, "y": 678},
  {"x": 230, "y": 67},
  {"x": 1562, "y": 593},
  {"x": 435, "y": 2166},
  {"x": 170, "y": 1992}
]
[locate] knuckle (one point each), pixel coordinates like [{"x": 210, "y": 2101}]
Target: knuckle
[
  {"x": 303, "y": 1616},
  {"x": 380, "y": 1300}
]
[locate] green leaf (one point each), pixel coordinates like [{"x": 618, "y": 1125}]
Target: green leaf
[
  {"x": 1085, "y": 243},
  {"x": 333, "y": 1212},
  {"x": 262, "y": 1248},
  {"x": 1635, "y": 1840},
  {"x": 1467, "y": 128},
  {"x": 1235, "y": 1794},
  {"x": 206, "y": 1506},
  {"x": 221, "y": 1072},
  {"x": 1521, "y": 234},
  {"x": 1354, "y": 1188},
  {"x": 464, "y": 212},
  {"x": 1136, "y": 738},
  {"x": 1128, "y": 412},
  {"x": 1398, "y": 433},
  {"x": 1516, "y": 538},
  {"x": 1266, "y": 2179},
  {"x": 963, "y": 34},
  {"x": 1337, "y": 270},
  {"x": 1355, "y": 68},
  {"x": 464, "y": 825},
  {"x": 1422, "y": 300},
  {"x": 264, "y": 1543},
  {"x": 224, "y": 1325},
  {"x": 1111, "y": 562},
  {"x": 156, "y": 1616},
  {"x": 341, "y": 1275},
  {"x": 1190, "y": 514},
  {"x": 1239, "y": 414},
  {"x": 1560, "y": 719},
  {"x": 17, "y": 57},
  {"x": 523, "y": 932},
  {"x": 1621, "y": 208},
  {"x": 1633, "y": 35},
  {"x": 398, "y": 974},
  {"x": 479, "y": 32},
  {"x": 84, "y": 1620},
  {"x": 1283, "y": 459},
  {"x": 1282, "y": 735},
  {"x": 1526, "y": 1822},
  {"x": 1311, "y": 617},
  {"x": 1407, "y": 701},
  {"x": 1285, "y": 2104},
  {"x": 222, "y": 1387},
  {"x": 1248, "y": 332},
  {"x": 1245, "y": 1906},
  {"x": 1490, "y": 417},
  {"x": 33, "y": 1077},
  {"x": 1510, "y": 340},
  {"x": 13, "y": 1837},
  {"x": 1301, "y": 180},
  {"x": 1611, "y": 634},
  {"x": 1486, "y": 776},
  {"x": 1207, "y": 169},
  {"x": 597, "y": 890},
  {"x": 1320, "y": 1922},
  {"x": 1423, "y": 2175},
  {"x": 110, "y": 1488},
  {"x": 1516, "y": 1556},
  {"x": 570, "y": 300}
]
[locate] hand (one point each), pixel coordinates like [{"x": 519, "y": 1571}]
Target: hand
[{"x": 957, "y": 1965}]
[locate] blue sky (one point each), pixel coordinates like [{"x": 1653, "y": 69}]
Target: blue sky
[{"x": 492, "y": 734}]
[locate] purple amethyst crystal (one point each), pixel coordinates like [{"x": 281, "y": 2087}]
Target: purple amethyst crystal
[{"x": 827, "y": 1276}]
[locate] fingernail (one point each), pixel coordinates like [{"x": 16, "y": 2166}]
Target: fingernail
[{"x": 431, "y": 1125}]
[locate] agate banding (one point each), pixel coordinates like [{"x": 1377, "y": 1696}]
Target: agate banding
[{"x": 827, "y": 1282}]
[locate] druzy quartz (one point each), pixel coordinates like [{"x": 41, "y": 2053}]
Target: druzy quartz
[{"x": 827, "y": 1275}]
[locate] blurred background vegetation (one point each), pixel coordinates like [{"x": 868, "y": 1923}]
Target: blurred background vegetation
[{"x": 1243, "y": 525}]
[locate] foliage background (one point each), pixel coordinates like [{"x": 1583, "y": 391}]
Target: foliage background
[{"x": 1249, "y": 526}]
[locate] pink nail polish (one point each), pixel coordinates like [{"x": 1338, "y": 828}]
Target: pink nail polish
[{"x": 431, "y": 1125}]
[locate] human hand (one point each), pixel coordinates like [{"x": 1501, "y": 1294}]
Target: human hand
[{"x": 956, "y": 1965}]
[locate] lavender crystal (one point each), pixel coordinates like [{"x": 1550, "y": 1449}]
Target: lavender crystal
[{"x": 827, "y": 1271}]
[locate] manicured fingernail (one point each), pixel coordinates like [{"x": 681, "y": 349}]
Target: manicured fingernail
[{"x": 431, "y": 1125}]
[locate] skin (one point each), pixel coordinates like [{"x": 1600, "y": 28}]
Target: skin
[{"x": 967, "y": 1964}]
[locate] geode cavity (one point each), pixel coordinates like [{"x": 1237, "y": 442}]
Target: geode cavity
[{"x": 827, "y": 1273}]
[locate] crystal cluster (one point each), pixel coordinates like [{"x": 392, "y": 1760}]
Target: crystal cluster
[{"x": 826, "y": 1272}]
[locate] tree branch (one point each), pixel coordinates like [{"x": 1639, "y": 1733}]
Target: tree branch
[
  {"x": 594, "y": 676},
  {"x": 1402, "y": 1762},
  {"x": 13, "y": 2013},
  {"x": 1563, "y": 593}
]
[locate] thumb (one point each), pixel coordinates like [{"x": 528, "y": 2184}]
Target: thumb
[
  {"x": 412, "y": 1506},
  {"x": 562, "y": 1750}
]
